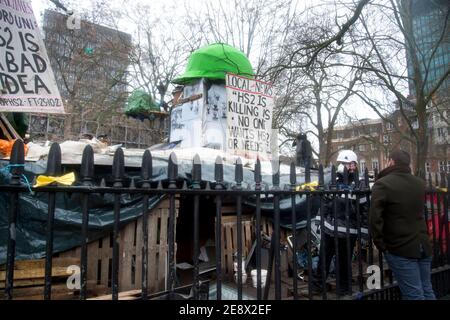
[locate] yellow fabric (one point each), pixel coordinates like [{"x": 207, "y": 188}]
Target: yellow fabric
[
  {"x": 442, "y": 189},
  {"x": 67, "y": 180},
  {"x": 311, "y": 185}
]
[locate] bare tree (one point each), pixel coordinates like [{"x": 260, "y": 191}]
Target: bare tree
[
  {"x": 383, "y": 41},
  {"x": 93, "y": 56}
]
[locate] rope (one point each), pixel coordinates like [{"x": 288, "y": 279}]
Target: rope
[{"x": 24, "y": 179}]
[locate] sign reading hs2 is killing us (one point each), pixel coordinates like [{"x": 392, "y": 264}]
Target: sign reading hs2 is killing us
[
  {"x": 27, "y": 83},
  {"x": 249, "y": 117}
]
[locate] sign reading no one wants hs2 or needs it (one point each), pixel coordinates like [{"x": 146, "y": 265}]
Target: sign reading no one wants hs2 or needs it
[
  {"x": 249, "y": 116},
  {"x": 27, "y": 82}
]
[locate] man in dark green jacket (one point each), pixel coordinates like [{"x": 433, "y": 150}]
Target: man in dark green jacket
[{"x": 398, "y": 228}]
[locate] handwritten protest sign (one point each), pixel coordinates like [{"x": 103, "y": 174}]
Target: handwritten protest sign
[
  {"x": 249, "y": 116},
  {"x": 27, "y": 83}
]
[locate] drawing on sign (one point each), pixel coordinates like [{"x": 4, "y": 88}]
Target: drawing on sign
[
  {"x": 249, "y": 116},
  {"x": 27, "y": 83}
]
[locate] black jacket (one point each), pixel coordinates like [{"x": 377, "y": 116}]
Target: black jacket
[
  {"x": 396, "y": 216},
  {"x": 342, "y": 202}
]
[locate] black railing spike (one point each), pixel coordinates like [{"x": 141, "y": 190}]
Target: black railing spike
[
  {"x": 430, "y": 180},
  {"x": 146, "y": 169},
  {"x": 207, "y": 186},
  {"x": 362, "y": 185},
  {"x": 17, "y": 159},
  {"x": 132, "y": 184},
  {"x": 87, "y": 165},
  {"x": 196, "y": 169},
  {"x": 356, "y": 177},
  {"x": 275, "y": 174},
  {"x": 448, "y": 182},
  {"x": 375, "y": 173},
  {"x": 103, "y": 183},
  {"x": 239, "y": 174},
  {"x": 159, "y": 186},
  {"x": 308, "y": 173},
  {"x": 258, "y": 177},
  {"x": 184, "y": 187},
  {"x": 436, "y": 177},
  {"x": 118, "y": 167},
  {"x": 218, "y": 170},
  {"x": 345, "y": 175},
  {"x": 173, "y": 167},
  {"x": 366, "y": 176},
  {"x": 442, "y": 183},
  {"x": 333, "y": 176},
  {"x": 293, "y": 175},
  {"x": 54, "y": 160},
  {"x": 321, "y": 176},
  {"x": 249, "y": 187}
]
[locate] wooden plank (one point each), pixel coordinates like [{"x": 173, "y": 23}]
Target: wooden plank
[
  {"x": 152, "y": 250},
  {"x": 5, "y": 130},
  {"x": 163, "y": 248},
  {"x": 122, "y": 295},
  {"x": 29, "y": 270},
  {"x": 138, "y": 250},
  {"x": 11, "y": 132},
  {"x": 127, "y": 250},
  {"x": 106, "y": 255},
  {"x": 92, "y": 264}
]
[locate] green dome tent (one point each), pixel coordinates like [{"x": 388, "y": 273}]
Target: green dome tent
[
  {"x": 140, "y": 103},
  {"x": 213, "y": 61}
]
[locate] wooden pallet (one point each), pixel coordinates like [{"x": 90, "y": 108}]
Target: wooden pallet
[
  {"x": 229, "y": 240},
  {"x": 32, "y": 272},
  {"x": 130, "y": 254}
]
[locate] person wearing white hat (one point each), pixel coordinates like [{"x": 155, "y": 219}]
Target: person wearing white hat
[{"x": 337, "y": 221}]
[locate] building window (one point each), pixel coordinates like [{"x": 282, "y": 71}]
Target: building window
[
  {"x": 389, "y": 126},
  {"x": 441, "y": 132},
  {"x": 427, "y": 168},
  {"x": 375, "y": 165},
  {"x": 444, "y": 166},
  {"x": 362, "y": 166},
  {"x": 386, "y": 139},
  {"x": 362, "y": 147}
]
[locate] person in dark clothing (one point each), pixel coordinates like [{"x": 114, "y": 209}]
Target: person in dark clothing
[
  {"x": 303, "y": 151},
  {"x": 335, "y": 227},
  {"x": 398, "y": 228}
]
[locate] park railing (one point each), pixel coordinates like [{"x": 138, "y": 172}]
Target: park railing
[{"x": 349, "y": 199}]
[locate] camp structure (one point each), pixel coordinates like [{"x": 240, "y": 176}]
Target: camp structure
[{"x": 198, "y": 129}]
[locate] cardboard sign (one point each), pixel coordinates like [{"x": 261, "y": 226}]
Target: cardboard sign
[
  {"x": 27, "y": 83},
  {"x": 186, "y": 119},
  {"x": 249, "y": 117}
]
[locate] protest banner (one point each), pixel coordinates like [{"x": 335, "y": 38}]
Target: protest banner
[
  {"x": 27, "y": 82},
  {"x": 249, "y": 117}
]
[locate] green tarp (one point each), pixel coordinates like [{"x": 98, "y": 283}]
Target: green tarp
[
  {"x": 140, "y": 102},
  {"x": 213, "y": 61}
]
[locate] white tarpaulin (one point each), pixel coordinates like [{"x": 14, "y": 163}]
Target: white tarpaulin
[
  {"x": 186, "y": 119},
  {"x": 27, "y": 83}
]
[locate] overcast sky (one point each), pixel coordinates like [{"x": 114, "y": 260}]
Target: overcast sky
[{"x": 158, "y": 5}]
